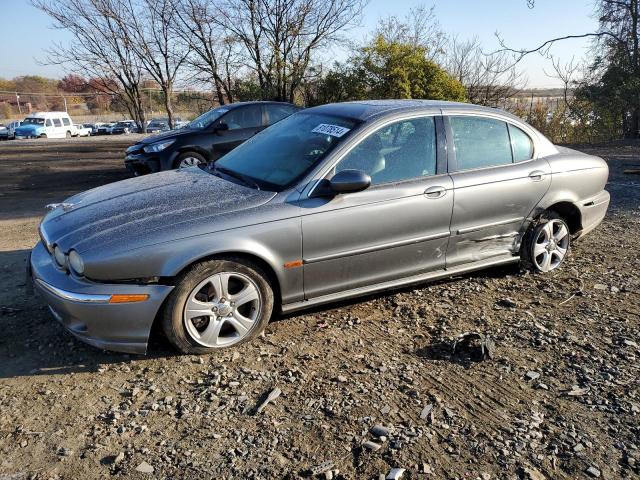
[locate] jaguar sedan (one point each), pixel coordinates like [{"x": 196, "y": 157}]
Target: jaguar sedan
[{"x": 330, "y": 203}]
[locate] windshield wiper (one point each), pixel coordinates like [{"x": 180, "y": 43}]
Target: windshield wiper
[{"x": 243, "y": 178}]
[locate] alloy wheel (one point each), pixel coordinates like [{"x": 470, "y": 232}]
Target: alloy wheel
[
  {"x": 189, "y": 162},
  {"x": 551, "y": 245},
  {"x": 222, "y": 309}
]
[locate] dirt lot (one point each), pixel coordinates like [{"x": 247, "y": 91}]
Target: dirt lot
[{"x": 560, "y": 398}]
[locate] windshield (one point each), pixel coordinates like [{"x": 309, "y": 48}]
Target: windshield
[
  {"x": 157, "y": 123},
  {"x": 281, "y": 154},
  {"x": 123, "y": 124},
  {"x": 33, "y": 121},
  {"x": 206, "y": 119}
]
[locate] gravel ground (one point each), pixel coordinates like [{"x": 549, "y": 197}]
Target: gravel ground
[{"x": 360, "y": 388}]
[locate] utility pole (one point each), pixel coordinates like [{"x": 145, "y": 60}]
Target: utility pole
[
  {"x": 18, "y": 100},
  {"x": 65, "y": 104}
]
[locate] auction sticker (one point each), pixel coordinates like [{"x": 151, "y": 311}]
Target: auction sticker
[{"x": 333, "y": 130}]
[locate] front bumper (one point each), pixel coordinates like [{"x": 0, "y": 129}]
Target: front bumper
[{"x": 83, "y": 307}]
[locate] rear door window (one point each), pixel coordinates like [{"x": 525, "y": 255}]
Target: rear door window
[
  {"x": 57, "y": 122},
  {"x": 522, "y": 144},
  {"x": 480, "y": 142},
  {"x": 66, "y": 122}
]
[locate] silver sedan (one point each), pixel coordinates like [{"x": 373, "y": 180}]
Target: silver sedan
[{"x": 333, "y": 202}]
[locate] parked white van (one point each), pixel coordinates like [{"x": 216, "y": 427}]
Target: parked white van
[{"x": 46, "y": 125}]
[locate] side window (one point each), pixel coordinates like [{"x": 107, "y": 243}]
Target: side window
[
  {"x": 57, "y": 122},
  {"x": 480, "y": 142},
  {"x": 397, "y": 152},
  {"x": 49, "y": 124},
  {"x": 522, "y": 144},
  {"x": 66, "y": 122},
  {"x": 245, "y": 117},
  {"x": 275, "y": 113}
]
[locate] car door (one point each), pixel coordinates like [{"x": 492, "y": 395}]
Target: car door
[
  {"x": 398, "y": 227},
  {"x": 497, "y": 181},
  {"x": 58, "y": 129},
  {"x": 241, "y": 124},
  {"x": 49, "y": 129}
]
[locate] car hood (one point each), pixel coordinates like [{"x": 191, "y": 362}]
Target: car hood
[
  {"x": 147, "y": 210},
  {"x": 165, "y": 135}
]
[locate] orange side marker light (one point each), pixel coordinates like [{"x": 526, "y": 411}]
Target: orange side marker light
[{"x": 128, "y": 298}]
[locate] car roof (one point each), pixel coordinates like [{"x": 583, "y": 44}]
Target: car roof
[
  {"x": 368, "y": 109},
  {"x": 231, "y": 106}
]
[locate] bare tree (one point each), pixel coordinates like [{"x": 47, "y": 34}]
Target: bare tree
[
  {"x": 152, "y": 38},
  {"x": 616, "y": 49},
  {"x": 419, "y": 27},
  {"x": 280, "y": 36},
  {"x": 214, "y": 52},
  {"x": 490, "y": 79},
  {"x": 100, "y": 48}
]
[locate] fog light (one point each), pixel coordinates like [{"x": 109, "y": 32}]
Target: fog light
[
  {"x": 75, "y": 262},
  {"x": 61, "y": 258}
]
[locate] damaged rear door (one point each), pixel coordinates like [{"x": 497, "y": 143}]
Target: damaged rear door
[{"x": 497, "y": 182}]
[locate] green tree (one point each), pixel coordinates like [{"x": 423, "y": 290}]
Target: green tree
[
  {"x": 389, "y": 69},
  {"x": 400, "y": 70}
]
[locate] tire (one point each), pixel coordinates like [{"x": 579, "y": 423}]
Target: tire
[
  {"x": 189, "y": 159},
  {"x": 223, "y": 323},
  {"x": 540, "y": 255},
  {"x": 44, "y": 135}
]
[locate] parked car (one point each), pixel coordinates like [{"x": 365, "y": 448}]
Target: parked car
[
  {"x": 105, "y": 128},
  {"x": 158, "y": 125},
  {"x": 206, "y": 138},
  {"x": 46, "y": 125},
  {"x": 124, "y": 127},
  {"x": 330, "y": 203},
  {"x": 8, "y": 131},
  {"x": 84, "y": 130}
]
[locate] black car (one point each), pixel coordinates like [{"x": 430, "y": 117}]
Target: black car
[
  {"x": 124, "y": 126},
  {"x": 206, "y": 138}
]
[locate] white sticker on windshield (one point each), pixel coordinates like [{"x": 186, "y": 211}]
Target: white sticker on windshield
[{"x": 333, "y": 130}]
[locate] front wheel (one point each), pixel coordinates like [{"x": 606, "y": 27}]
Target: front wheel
[
  {"x": 217, "y": 304},
  {"x": 189, "y": 159},
  {"x": 546, "y": 245}
]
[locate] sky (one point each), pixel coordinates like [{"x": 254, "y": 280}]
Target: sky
[{"x": 25, "y": 32}]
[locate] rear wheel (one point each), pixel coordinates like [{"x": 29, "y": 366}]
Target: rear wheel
[
  {"x": 189, "y": 159},
  {"x": 546, "y": 244},
  {"x": 217, "y": 304}
]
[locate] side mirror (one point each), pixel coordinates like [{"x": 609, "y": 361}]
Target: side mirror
[
  {"x": 349, "y": 181},
  {"x": 221, "y": 127}
]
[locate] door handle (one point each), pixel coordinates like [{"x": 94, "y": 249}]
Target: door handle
[
  {"x": 435, "y": 192},
  {"x": 536, "y": 175}
]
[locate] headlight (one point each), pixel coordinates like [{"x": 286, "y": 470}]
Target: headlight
[
  {"x": 75, "y": 262},
  {"x": 157, "y": 147},
  {"x": 61, "y": 258}
]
